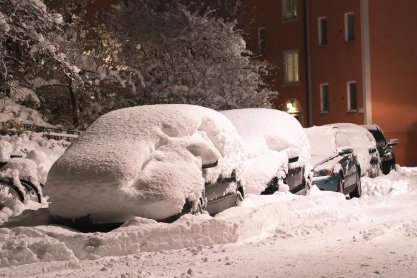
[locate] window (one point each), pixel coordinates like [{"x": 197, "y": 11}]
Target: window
[
  {"x": 352, "y": 98},
  {"x": 324, "y": 98},
  {"x": 289, "y": 9},
  {"x": 342, "y": 139},
  {"x": 322, "y": 31},
  {"x": 291, "y": 66},
  {"x": 349, "y": 27},
  {"x": 261, "y": 41}
]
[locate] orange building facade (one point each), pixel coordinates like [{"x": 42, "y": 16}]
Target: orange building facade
[{"x": 342, "y": 61}]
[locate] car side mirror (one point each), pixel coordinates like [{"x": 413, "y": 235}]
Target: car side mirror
[
  {"x": 393, "y": 142},
  {"x": 372, "y": 150},
  {"x": 293, "y": 159},
  {"x": 345, "y": 150}
]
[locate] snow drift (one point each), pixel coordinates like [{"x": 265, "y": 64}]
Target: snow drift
[
  {"x": 143, "y": 161},
  {"x": 28, "y": 239}
]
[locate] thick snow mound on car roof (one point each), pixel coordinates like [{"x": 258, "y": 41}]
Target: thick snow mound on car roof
[
  {"x": 142, "y": 161},
  {"x": 270, "y": 137}
]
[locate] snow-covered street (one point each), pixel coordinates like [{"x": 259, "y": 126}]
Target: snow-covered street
[{"x": 319, "y": 235}]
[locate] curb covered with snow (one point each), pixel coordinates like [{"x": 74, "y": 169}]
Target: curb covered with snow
[{"x": 284, "y": 214}]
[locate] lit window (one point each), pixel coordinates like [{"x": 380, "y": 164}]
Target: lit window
[
  {"x": 349, "y": 27},
  {"x": 324, "y": 98},
  {"x": 291, "y": 66},
  {"x": 351, "y": 96},
  {"x": 322, "y": 31},
  {"x": 261, "y": 41},
  {"x": 289, "y": 9}
]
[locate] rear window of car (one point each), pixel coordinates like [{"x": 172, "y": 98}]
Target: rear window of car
[{"x": 379, "y": 137}]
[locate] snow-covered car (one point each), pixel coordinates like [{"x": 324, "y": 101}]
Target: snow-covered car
[
  {"x": 364, "y": 146},
  {"x": 276, "y": 148},
  {"x": 335, "y": 165},
  {"x": 154, "y": 161},
  {"x": 384, "y": 147},
  {"x": 25, "y": 160},
  {"x": 18, "y": 186}
]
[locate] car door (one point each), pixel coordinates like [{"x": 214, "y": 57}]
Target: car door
[{"x": 348, "y": 161}]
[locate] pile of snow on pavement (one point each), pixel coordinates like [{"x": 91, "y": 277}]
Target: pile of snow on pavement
[{"x": 284, "y": 214}]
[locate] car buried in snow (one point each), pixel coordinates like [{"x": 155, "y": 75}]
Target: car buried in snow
[
  {"x": 153, "y": 161},
  {"x": 23, "y": 187},
  {"x": 276, "y": 148},
  {"x": 364, "y": 146},
  {"x": 335, "y": 165},
  {"x": 384, "y": 147}
]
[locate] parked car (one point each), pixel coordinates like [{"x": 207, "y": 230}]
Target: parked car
[
  {"x": 155, "y": 161},
  {"x": 24, "y": 188},
  {"x": 335, "y": 165},
  {"x": 384, "y": 147},
  {"x": 364, "y": 146},
  {"x": 276, "y": 148}
]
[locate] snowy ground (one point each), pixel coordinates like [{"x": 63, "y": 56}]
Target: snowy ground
[{"x": 283, "y": 235}]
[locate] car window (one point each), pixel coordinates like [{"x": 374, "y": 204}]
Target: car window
[
  {"x": 379, "y": 138},
  {"x": 322, "y": 143},
  {"x": 342, "y": 139}
]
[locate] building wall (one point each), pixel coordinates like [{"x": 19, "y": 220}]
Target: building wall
[
  {"x": 280, "y": 36},
  {"x": 393, "y": 42},
  {"x": 393, "y": 62},
  {"x": 337, "y": 63}
]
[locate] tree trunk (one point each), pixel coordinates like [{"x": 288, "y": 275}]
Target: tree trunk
[{"x": 73, "y": 103}]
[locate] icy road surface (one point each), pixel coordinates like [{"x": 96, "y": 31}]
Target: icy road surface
[{"x": 283, "y": 235}]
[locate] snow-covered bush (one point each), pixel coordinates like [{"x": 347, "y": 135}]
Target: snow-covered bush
[{"x": 163, "y": 53}]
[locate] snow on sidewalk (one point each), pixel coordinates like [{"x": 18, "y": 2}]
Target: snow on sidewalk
[{"x": 282, "y": 214}]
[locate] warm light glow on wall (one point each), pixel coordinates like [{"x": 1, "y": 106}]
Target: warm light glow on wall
[{"x": 291, "y": 107}]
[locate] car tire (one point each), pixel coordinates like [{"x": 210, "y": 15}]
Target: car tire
[
  {"x": 341, "y": 185},
  {"x": 358, "y": 189},
  {"x": 12, "y": 190},
  {"x": 31, "y": 191}
]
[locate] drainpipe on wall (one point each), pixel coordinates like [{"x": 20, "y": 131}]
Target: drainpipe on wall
[
  {"x": 366, "y": 62},
  {"x": 307, "y": 62}
]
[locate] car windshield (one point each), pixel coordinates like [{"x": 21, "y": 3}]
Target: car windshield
[
  {"x": 379, "y": 138},
  {"x": 322, "y": 142}
]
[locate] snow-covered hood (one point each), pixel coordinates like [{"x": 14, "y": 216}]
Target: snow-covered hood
[{"x": 142, "y": 161}]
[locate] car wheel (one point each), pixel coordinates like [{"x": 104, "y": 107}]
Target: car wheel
[
  {"x": 358, "y": 189},
  {"x": 8, "y": 188},
  {"x": 341, "y": 185},
  {"x": 31, "y": 191}
]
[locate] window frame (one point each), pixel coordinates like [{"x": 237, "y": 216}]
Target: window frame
[
  {"x": 284, "y": 5},
  {"x": 349, "y": 96},
  {"x": 262, "y": 41},
  {"x": 322, "y": 85},
  {"x": 320, "y": 33},
  {"x": 349, "y": 31},
  {"x": 295, "y": 71}
]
